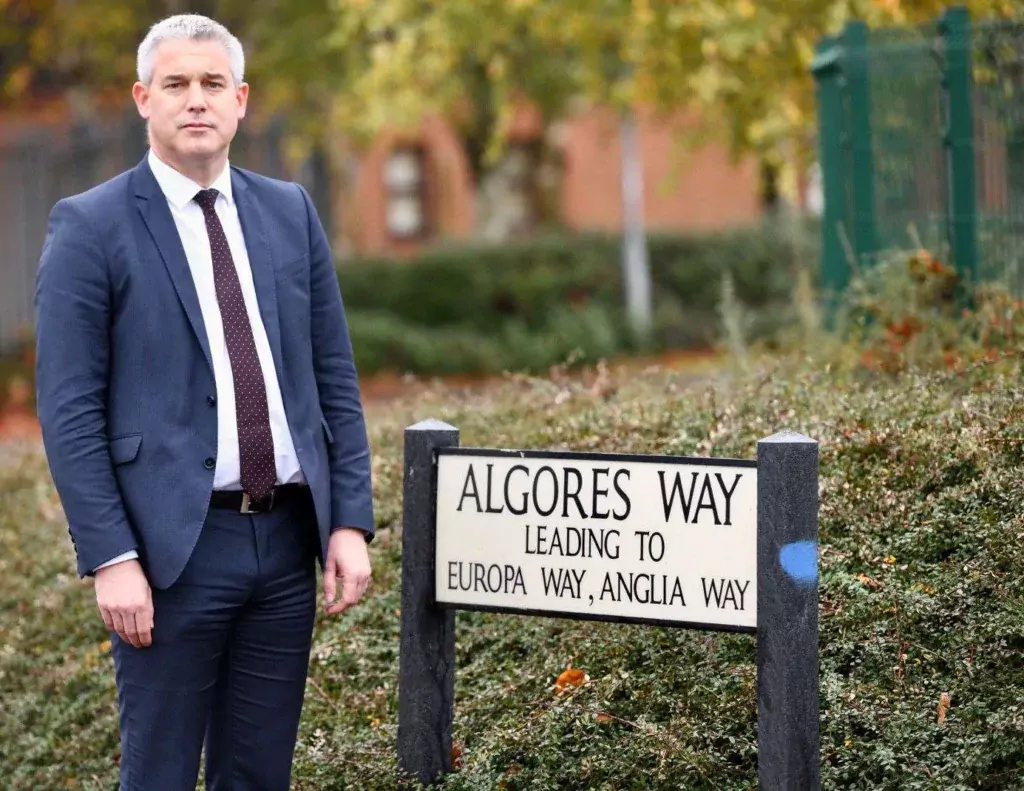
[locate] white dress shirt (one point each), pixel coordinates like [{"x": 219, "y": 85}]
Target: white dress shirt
[{"x": 191, "y": 224}]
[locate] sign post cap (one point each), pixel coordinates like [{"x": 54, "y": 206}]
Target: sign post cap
[
  {"x": 430, "y": 424},
  {"x": 789, "y": 436}
]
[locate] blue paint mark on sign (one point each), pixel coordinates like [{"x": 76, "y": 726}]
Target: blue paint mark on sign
[{"x": 800, "y": 561}]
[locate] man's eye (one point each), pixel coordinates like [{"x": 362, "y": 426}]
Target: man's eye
[{"x": 215, "y": 84}]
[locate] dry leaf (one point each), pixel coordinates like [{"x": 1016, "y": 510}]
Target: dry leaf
[
  {"x": 456, "y": 755},
  {"x": 602, "y": 717},
  {"x": 571, "y": 677},
  {"x": 871, "y": 583},
  {"x": 104, "y": 646},
  {"x": 943, "y": 706},
  {"x": 512, "y": 771}
]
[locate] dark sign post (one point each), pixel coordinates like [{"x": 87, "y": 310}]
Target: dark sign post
[
  {"x": 722, "y": 544},
  {"x": 426, "y": 660},
  {"x": 788, "y": 754}
]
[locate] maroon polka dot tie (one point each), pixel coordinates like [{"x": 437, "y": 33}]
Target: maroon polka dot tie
[{"x": 255, "y": 442}]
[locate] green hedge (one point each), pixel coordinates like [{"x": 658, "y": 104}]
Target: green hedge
[
  {"x": 527, "y": 306},
  {"x": 921, "y": 595},
  {"x": 531, "y": 304}
]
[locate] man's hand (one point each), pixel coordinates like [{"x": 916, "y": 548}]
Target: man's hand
[
  {"x": 348, "y": 561},
  {"x": 126, "y": 602}
]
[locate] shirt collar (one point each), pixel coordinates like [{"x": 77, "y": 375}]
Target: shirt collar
[{"x": 179, "y": 189}]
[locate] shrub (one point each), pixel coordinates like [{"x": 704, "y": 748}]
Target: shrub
[
  {"x": 526, "y": 306},
  {"x": 382, "y": 341},
  {"x": 532, "y": 292},
  {"x": 17, "y": 375},
  {"x": 921, "y": 589},
  {"x": 909, "y": 311},
  {"x": 921, "y": 604}
]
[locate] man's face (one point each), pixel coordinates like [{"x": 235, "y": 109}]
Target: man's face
[{"x": 192, "y": 104}]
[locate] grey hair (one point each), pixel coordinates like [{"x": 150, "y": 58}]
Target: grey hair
[{"x": 196, "y": 28}]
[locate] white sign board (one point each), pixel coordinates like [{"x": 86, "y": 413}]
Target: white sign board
[{"x": 603, "y": 536}]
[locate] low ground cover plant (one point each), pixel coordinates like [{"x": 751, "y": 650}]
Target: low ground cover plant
[{"x": 921, "y": 588}]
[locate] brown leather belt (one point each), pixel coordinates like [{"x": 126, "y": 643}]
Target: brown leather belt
[{"x": 241, "y": 502}]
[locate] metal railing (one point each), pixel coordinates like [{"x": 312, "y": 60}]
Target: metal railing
[
  {"x": 921, "y": 137},
  {"x": 47, "y": 162}
]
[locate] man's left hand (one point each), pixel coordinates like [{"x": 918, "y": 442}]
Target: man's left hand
[{"x": 348, "y": 563}]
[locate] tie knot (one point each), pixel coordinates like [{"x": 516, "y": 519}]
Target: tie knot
[{"x": 206, "y": 199}]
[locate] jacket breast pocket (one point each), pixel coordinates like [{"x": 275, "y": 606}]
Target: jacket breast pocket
[{"x": 124, "y": 448}]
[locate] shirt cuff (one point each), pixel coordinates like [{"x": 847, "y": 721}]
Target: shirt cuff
[{"x": 131, "y": 554}]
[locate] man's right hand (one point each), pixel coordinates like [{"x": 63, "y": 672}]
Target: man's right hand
[{"x": 126, "y": 602}]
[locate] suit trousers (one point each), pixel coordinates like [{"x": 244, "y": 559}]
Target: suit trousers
[{"x": 228, "y": 661}]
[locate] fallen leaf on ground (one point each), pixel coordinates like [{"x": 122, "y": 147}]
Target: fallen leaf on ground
[
  {"x": 871, "y": 583},
  {"x": 512, "y": 771},
  {"x": 571, "y": 677},
  {"x": 943, "y": 707}
]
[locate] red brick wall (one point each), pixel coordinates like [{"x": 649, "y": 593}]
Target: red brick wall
[
  {"x": 449, "y": 192},
  {"x": 683, "y": 191}
]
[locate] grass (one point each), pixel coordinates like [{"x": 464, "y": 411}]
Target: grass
[{"x": 922, "y": 594}]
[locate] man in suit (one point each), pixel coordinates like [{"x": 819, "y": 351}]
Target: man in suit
[{"x": 203, "y": 425}]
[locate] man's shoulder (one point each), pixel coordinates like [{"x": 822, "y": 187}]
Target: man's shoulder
[
  {"x": 97, "y": 202},
  {"x": 265, "y": 185}
]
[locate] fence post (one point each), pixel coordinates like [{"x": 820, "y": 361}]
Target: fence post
[
  {"x": 426, "y": 671},
  {"x": 788, "y": 749},
  {"x": 827, "y": 70},
  {"x": 955, "y": 27},
  {"x": 862, "y": 165}
]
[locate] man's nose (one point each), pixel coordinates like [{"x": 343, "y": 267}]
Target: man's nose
[{"x": 196, "y": 96}]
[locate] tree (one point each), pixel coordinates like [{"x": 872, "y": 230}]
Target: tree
[
  {"x": 741, "y": 64},
  {"x": 365, "y": 65},
  {"x": 53, "y": 45}
]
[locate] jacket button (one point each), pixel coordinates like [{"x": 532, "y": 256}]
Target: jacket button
[
  {"x": 210, "y": 463},
  {"x": 211, "y": 400}
]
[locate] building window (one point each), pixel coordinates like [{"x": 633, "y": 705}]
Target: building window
[
  {"x": 508, "y": 197},
  {"x": 404, "y": 182}
]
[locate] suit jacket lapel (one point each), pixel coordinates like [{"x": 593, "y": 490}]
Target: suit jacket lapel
[
  {"x": 261, "y": 262},
  {"x": 157, "y": 216}
]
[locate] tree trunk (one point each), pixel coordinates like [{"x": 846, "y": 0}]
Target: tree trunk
[{"x": 636, "y": 275}]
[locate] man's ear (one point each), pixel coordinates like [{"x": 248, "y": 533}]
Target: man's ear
[
  {"x": 242, "y": 91},
  {"x": 140, "y": 93}
]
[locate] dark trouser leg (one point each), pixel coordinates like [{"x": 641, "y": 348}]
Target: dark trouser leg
[
  {"x": 255, "y": 715},
  {"x": 165, "y": 691}
]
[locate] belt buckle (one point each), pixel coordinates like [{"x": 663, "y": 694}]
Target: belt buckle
[{"x": 248, "y": 501}]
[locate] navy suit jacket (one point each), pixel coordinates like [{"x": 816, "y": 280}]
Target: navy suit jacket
[{"x": 125, "y": 383}]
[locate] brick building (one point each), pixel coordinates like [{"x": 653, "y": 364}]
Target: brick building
[
  {"x": 399, "y": 195},
  {"x": 406, "y": 191}
]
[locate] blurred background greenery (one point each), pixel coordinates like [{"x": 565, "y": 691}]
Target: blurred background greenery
[{"x": 471, "y": 159}]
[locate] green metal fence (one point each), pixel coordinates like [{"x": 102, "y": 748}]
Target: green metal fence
[{"x": 921, "y": 135}]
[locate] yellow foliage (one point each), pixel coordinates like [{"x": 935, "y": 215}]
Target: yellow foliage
[{"x": 744, "y": 64}]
